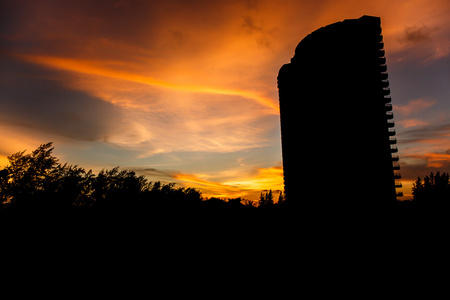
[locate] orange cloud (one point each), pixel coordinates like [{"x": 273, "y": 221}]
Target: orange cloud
[
  {"x": 437, "y": 160},
  {"x": 433, "y": 160},
  {"x": 264, "y": 179},
  {"x": 412, "y": 123},
  {"x": 95, "y": 68},
  {"x": 249, "y": 186},
  {"x": 414, "y": 106},
  {"x": 210, "y": 188}
]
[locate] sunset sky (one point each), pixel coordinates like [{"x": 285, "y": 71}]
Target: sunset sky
[{"x": 186, "y": 91}]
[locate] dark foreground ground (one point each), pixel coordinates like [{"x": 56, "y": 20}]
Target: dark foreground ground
[{"x": 222, "y": 248}]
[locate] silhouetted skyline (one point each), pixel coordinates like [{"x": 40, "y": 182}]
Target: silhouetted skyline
[{"x": 186, "y": 92}]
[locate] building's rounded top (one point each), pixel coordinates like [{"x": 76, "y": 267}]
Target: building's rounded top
[{"x": 334, "y": 33}]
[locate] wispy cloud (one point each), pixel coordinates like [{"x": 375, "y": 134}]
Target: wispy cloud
[
  {"x": 433, "y": 160},
  {"x": 414, "y": 106},
  {"x": 429, "y": 132},
  {"x": 412, "y": 123},
  {"x": 262, "y": 179},
  {"x": 437, "y": 160},
  {"x": 210, "y": 188},
  {"x": 96, "y": 68}
]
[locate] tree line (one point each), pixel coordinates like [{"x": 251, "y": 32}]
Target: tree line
[
  {"x": 432, "y": 190},
  {"x": 39, "y": 181}
]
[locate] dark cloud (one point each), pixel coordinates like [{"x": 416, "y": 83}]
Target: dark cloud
[
  {"x": 34, "y": 98},
  {"x": 261, "y": 34},
  {"x": 416, "y": 34},
  {"x": 84, "y": 28},
  {"x": 423, "y": 133},
  {"x": 155, "y": 174},
  {"x": 76, "y": 27},
  {"x": 250, "y": 25},
  {"x": 178, "y": 38}
]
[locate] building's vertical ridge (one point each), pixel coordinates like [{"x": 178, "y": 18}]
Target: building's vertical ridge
[{"x": 389, "y": 115}]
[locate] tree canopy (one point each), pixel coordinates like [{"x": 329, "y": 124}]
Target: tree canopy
[
  {"x": 38, "y": 180},
  {"x": 434, "y": 189}
]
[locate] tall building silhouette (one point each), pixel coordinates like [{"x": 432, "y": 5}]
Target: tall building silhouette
[{"x": 337, "y": 124}]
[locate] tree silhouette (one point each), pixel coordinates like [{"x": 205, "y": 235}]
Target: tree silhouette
[
  {"x": 68, "y": 185},
  {"x": 4, "y": 186},
  {"x": 28, "y": 177},
  {"x": 110, "y": 187},
  {"x": 281, "y": 198},
  {"x": 266, "y": 199},
  {"x": 433, "y": 190},
  {"x": 38, "y": 181}
]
